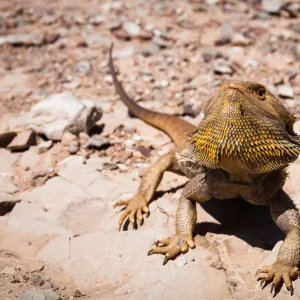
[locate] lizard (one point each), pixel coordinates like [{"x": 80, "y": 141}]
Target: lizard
[{"x": 241, "y": 148}]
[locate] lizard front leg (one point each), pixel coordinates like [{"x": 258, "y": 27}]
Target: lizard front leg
[
  {"x": 287, "y": 218},
  {"x": 138, "y": 204},
  {"x": 186, "y": 217}
]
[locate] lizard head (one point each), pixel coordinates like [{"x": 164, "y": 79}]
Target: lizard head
[{"x": 246, "y": 129}]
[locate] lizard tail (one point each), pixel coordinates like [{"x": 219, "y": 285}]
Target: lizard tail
[{"x": 176, "y": 128}]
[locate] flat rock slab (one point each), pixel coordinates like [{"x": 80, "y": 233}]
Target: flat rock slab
[
  {"x": 117, "y": 264},
  {"x": 23, "y": 141}
]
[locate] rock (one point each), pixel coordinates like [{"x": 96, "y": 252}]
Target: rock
[
  {"x": 7, "y": 185},
  {"x": 221, "y": 68},
  {"x": 40, "y": 295},
  {"x": 23, "y": 141},
  {"x": 227, "y": 32},
  {"x": 8, "y": 271},
  {"x": 286, "y": 91},
  {"x": 83, "y": 137},
  {"x": 97, "y": 142},
  {"x": 31, "y": 39},
  {"x": 83, "y": 68},
  {"x": 113, "y": 24},
  {"x": 150, "y": 49},
  {"x": 239, "y": 39},
  {"x": 73, "y": 147},
  {"x": 6, "y": 138},
  {"x": 96, "y": 19},
  {"x": 44, "y": 146},
  {"x": 63, "y": 113},
  {"x": 272, "y": 6},
  {"x": 47, "y": 285},
  {"x": 132, "y": 29},
  {"x": 68, "y": 138},
  {"x": 7, "y": 160}
]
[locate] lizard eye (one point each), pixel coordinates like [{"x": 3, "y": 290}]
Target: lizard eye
[{"x": 261, "y": 93}]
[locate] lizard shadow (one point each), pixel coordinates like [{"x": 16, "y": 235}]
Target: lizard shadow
[{"x": 251, "y": 223}]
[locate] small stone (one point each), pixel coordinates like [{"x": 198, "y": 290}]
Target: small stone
[
  {"x": 44, "y": 146},
  {"x": 272, "y": 6},
  {"x": 83, "y": 137},
  {"x": 73, "y": 147},
  {"x": 83, "y": 68},
  {"x": 47, "y": 285},
  {"x": 97, "y": 142},
  {"x": 40, "y": 295},
  {"x": 240, "y": 40},
  {"x": 227, "y": 32},
  {"x": 286, "y": 91},
  {"x": 222, "y": 68},
  {"x": 6, "y": 138},
  {"x": 113, "y": 25},
  {"x": 8, "y": 271},
  {"x": 132, "y": 29},
  {"x": 150, "y": 49},
  {"x": 68, "y": 138},
  {"x": 22, "y": 141},
  {"x": 31, "y": 39},
  {"x": 110, "y": 166},
  {"x": 96, "y": 19}
]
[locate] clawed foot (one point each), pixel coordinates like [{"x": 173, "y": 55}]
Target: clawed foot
[
  {"x": 173, "y": 246},
  {"x": 134, "y": 209},
  {"x": 277, "y": 273}
]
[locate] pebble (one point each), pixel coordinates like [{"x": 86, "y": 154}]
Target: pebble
[
  {"x": 83, "y": 68},
  {"x": 8, "y": 271},
  {"x": 149, "y": 49},
  {"x": 44, "y": 146},
  {"x": 97, "y": 142},
  {"x": 221, "y": 68},
  {"x": 73, "y": 147},
  {"x": 132, "y": 29},
  {"x": 40, "y": 295},
  {"x": 272, "y": 6},
  {"x": 286, "y": 91}
]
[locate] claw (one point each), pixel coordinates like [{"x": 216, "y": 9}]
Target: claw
[
  {"x": 292, "y": 290},
  {"x": 150, "y": 252},
  {"x": 272, "y": 289},
  {"x": 166, "y": 260}
]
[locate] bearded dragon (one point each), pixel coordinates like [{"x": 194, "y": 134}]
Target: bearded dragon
[{"x": 241, "y": 148}]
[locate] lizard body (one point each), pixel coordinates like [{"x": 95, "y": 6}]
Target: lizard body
[{"x": 240, "y": 149}]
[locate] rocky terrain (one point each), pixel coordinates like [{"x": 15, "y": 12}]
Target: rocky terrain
[{"x": 69, "y": 150}]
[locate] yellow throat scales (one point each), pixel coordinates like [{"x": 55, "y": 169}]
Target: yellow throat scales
[{"x": 245, "y": 130}]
